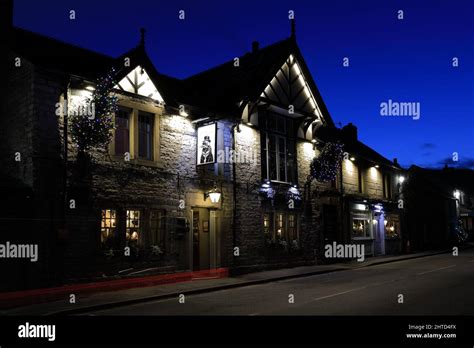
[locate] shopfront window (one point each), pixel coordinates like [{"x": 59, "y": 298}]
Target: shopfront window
[
  {"x": 108, "y": 228},
  {"x": 280, "y": 226},
  {"x": 133, "y": 225},
  {"x": 361, "y": 226},
  {"x": 392, "y": 227}
]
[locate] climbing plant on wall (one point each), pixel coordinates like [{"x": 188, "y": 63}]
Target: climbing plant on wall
[
  {"x": 324, "y": 168},
  {"x": 92, "y": 124}
]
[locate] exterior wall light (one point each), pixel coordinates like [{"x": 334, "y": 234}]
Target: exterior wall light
[
  {"x": 376, "y": 166},
  {"x": 352, "y": 159},
  {"x": 456, "y": 194},
  {"x": 401, "y": 179},
  {"x": 90, "y": 88},
  {"x": 214, "y": 195}
]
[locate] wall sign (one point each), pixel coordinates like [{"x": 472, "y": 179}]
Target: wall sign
[{"x": 206, "y": 144}]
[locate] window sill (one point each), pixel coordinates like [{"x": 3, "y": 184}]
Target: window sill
[{"x": 139, "y": 161}]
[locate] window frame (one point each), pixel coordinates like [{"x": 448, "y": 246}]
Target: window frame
[
  {"x": 112, "y": 229},
  {"x": 137, "y": 107},
  {"x": 278, "y": 133},
  {"x": 273, "y": 219},
  {"x": 357, "y": 215}
]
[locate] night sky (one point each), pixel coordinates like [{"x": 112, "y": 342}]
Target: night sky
[{"x": 406, "y": 60}]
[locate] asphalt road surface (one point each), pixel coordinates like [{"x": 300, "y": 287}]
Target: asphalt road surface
[{"x": 436, "y": 285}]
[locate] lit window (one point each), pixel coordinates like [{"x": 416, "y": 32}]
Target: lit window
[
  {"x": 108, "y": 227},
  {"x": 292, "y": 231},
  {"x": 268, "y": 224},
  {"x": 361, "y": 225},
  {"x": 133, "y": 226},
  {"x": 392, "y": 228},
  {"x": 280, "y": 226},
  {"x": 278, "y": 148}
]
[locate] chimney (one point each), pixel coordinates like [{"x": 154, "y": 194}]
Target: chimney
[
  {"x": 349, "y": 132},
  {"x": 255, "y": 46},
  {"x": 395, "y": 161}
]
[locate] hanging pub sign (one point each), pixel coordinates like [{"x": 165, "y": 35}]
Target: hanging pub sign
[{"x": 206, "y": 144}]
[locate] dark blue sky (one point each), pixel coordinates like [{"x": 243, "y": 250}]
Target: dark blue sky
[{"x": 405, "y": 61}]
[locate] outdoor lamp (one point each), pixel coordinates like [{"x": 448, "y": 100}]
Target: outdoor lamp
[{"x": 214, "y": 195}]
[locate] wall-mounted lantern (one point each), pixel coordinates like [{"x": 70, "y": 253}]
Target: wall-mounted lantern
[{"x": 214, "y": 195}]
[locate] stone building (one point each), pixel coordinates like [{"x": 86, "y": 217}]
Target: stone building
[{"x": 207, "y": 172}]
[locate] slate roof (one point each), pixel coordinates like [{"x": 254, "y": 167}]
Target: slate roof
[
  {"x": 218, "y": 89},
  {"x": 57, "y": 55},
  {"x": 223, "y": 86},
  {"x": 63, "y": 57}
]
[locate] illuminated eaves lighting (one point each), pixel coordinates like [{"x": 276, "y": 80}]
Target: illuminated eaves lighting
[{"x": 90, "y": 88}]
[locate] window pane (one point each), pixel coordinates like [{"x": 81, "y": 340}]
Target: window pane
[
  {"x": 361, "y": 227},
  {"x": 280, "y": 225},
  {"x": 282, "y": 159},
  {"x": 107, "y": 235},
  {"x": 272, "y": 158},
  {"x": 145, "y": 135},
  {"x": 290, "y": 161},
  {"x": 292, "y": 231},
  {"x": 133, "y": 227},
  {"x": 271, "y": 124},
  {"x": 122, "y": 132},
  {"x": 281, "y": 125},
  {"x": 263, "y": 141}
]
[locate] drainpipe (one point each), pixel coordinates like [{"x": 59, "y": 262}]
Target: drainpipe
[
  {"x": 342, "y": 203},
  {"x": 65, "y": 138},
  {"x": 234, "y": 191}
]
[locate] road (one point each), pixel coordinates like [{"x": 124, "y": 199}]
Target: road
[{"x": 436, "y": 285}]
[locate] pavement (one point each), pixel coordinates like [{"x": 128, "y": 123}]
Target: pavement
[{"x": 111, "y": 300}]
